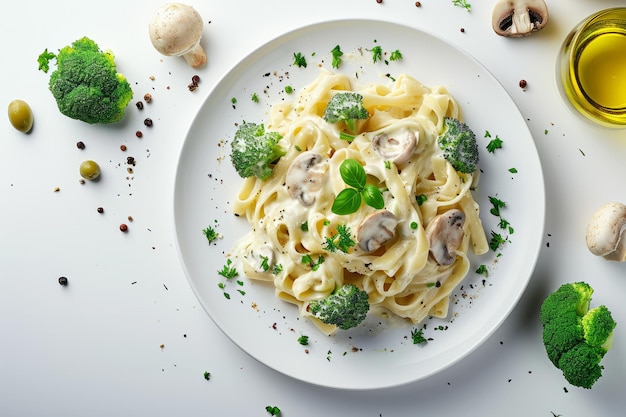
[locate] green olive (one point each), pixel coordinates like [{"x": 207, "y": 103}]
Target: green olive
[
  {"x": 89, "y": 170},
  {"x": 20, "y": 115}
]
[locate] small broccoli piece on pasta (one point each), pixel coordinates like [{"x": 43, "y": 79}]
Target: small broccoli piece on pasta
[
  {"x": 345, "y": 308},
  {"x": 459, "y": 146},
  {"x": 255, "y": 151},
  {"x": 346, "y": 107}
]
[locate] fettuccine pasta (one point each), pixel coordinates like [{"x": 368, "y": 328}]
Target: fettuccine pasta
[{"x": 401, "y": 254}]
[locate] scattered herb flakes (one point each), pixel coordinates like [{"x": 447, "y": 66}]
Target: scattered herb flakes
[
  {"x": 255, "y": 98},
  {"x": 495, "y": 143},
  {"x": 273, "y": 410},
  {"x": 377, "y": 53},
  {"x": 496, "y": 241},
  {"x": 211, "y": 234},
  {"x": 288, "y": 89},
  {"x": 463, "y": 4},
  {"x": 303, "y": 340},
  {"x": 336, "y": 53},
  {"x": 482, "y": 270},
  {"x": 581, "y": 152},
  {"x": 421, "y": 199},
  {"x": 342, "y": 240},
  {"x": 513, "y": 170},
  {"x": 228, "y": 271},
  {"x": 395, "y": 55},
  {"x": 417, "y": 335},
  {"x": 207, "y": 375},
  {"x": 497, "y": 205},
  {"x": 299, "y": 60}
]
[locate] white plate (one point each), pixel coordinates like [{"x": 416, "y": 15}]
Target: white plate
[{"x": 380, "y": 354}]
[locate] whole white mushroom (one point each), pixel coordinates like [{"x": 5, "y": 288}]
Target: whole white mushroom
[
  {"x": 606, "y": 232},
  {"x": 176, "y": 30}
]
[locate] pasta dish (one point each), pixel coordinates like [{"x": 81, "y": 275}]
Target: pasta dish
[{"x": 408, "y": 255}]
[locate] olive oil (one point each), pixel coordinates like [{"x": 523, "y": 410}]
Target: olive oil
[
  {"x": 601, "y": 69},
  {"x": 592, "y": 67}
]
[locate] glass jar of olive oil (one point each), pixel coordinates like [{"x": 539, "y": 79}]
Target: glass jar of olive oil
[{"x": 592, "y": 67}]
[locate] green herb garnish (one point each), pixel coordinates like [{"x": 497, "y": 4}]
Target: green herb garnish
[
  {"x": 342, "y": 240},
  {"x": 299, "y": 60},
  {"x": 349, "y": 199},
  {"x": 418, "y": 336},
  {"x": 228, "y": 271},
  {"x": 336, "y": 56}
]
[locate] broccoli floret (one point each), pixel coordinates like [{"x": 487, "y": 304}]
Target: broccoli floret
[
  {"x": 346, "y": 107},
  {"x": 86, "y": 84},
  {"x": 575, "y": 337},
  {"x": 459, "y": 146},
  {"x": 346, "y": 307},
  {"x": 254, "y": 151}
]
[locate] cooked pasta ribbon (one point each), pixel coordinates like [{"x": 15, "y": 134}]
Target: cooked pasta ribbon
[{"x": 396, "y": 262}]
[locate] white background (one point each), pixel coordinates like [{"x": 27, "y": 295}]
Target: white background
[{"x": 127, "y": 335}]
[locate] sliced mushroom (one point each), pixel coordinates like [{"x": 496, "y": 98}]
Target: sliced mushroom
[
  {"x": 376, "y": 229},
  {"x": 517, "y": 18},
  {"x": 606, "y": 232},
  {"x": 396, "y": 146},
  {"x": 305, "y": 176},
  {"x": 445, "y": 233}
]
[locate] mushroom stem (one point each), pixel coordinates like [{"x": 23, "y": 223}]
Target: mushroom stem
[{"x": 196, "y": 57}]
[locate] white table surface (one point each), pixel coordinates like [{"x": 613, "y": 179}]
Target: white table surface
[{"x": 127, "y": 336}]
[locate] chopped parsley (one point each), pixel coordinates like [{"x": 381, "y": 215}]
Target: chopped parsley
[
  {"x": 463, "y": 4},
  {"x": 482, "y": 270},
  {"x": 299, "y": 60},
  {"x": 210, "y": 233},
  {"x": 395, "y": 55},
  {"x": 342, "y": 240},
  {"x": 207, "y": 375},
  {"x": 304, "y": 227},
  {"x": 277, "y": 269},
  {"x": 273, "y": 410},
  {"x": 308, "y": 260},
  {"x": 303, "y": 340},
  {"x": 265, "y": 266},
  {"x": 496, "y": 241},
  {"x": 513, "y": 170},
  {"x": 336, "y": 52},
  {"x": 255, "y": 98},
  {"x": 495, "y": 143},
  {"x": 497, "y": 205},
  {"x": 418, "y": 336},
  {"x": 228, "y": 271},
  {"x": 377, "y": 53}
]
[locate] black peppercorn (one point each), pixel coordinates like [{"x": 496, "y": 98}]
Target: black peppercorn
[
  {"x": 148, "y": 122},
  {"x": 140, "y": 105},
  {"x": 80, "y": 145},
  {"x": 63, "y": 281}
]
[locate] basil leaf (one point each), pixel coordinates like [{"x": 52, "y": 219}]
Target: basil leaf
[
  {"x": 347, "y": 202},
  {"x": 373, "y": 197},
  {"x": 353, "y": 173}
]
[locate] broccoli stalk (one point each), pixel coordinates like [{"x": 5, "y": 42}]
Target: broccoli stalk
[
  {"x": 575, "y": 337},
  {"x": 346, "y": 107},
  {"x": 459, "y": 146},
  {"x": 346, "y": 307},
  {"x": 254, "y": 151},
  {"x": 86, "y": 84}
]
